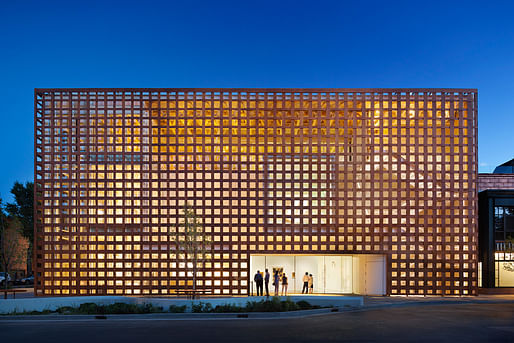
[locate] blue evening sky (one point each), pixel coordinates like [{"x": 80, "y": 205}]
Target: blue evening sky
[{"x": 348, "y": 44}]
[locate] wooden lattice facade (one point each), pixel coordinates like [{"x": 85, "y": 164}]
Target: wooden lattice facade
[{"x": 281, "y": 171}]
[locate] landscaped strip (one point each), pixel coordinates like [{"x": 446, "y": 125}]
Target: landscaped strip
[{"x": 273, "y": 305}]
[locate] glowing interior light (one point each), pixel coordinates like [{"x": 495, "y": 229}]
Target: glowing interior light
[{"x": 266, "y": 172}]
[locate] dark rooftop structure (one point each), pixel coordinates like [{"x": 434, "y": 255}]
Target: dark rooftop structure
[{"x": 506, "y": 168}]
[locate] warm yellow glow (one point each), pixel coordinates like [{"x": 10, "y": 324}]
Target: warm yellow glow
[{"x": 384, "y": 170}]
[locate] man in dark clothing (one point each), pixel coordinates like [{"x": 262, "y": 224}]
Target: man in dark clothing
[
  {"x": 266, "y": 282},
  {"x": 305, "y": 283},
  {"x": 258, "y": 281}
]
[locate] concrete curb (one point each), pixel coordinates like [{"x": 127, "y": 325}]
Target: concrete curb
[{"x": 173, "y": 316}]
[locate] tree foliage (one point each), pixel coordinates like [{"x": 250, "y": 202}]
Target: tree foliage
[
  {"x": 191, "y": 241},
  {"x": 23, "y": 207},
  {"x": 13, "y": 247}
]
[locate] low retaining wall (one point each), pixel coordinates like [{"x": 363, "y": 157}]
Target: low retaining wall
[{"x": 41, "y": 304}]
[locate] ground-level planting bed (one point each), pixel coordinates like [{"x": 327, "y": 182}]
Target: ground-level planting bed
[
  {"x": 273, "y": 305},
  {"x": 92, "y": 308}
]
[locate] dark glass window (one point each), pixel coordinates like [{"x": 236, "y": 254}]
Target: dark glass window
[{"x": 503, "y": 223}]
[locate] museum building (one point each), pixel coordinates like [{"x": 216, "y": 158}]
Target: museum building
[{"x": 372, "y": 191}]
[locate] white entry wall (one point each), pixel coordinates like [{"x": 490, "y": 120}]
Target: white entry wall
[
  {"x": 340, "y": 274},
  {"x": 313, "y": 265},
  {"x": 369, "y": 274}
]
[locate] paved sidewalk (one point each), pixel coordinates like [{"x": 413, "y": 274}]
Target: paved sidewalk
[
  {"x": 431, "y": 323},
  {"x": 171, "y": 316},
  {"x": 370, "y": 304},
  {"x": 397, "y": 301}
]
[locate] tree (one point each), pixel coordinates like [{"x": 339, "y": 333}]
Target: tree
[
  {"x": 191, "y": 241},
  {"x": 23, "y": 209},
  {"x": 12, "y": 244}
]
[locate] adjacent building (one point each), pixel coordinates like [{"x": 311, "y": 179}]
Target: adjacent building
[
  {"x": 373, "y": 191},
  {"x": 496, "y": 227}
]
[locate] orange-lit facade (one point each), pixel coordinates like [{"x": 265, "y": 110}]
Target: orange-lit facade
[{"x": 390, "y": 172}]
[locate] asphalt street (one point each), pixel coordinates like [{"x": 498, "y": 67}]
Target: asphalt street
[{"x": 423, "y": 323}]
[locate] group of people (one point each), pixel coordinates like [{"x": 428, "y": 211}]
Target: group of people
[
  {"x": 280, "y": 279},
  {"x": 308, "y": 283}
]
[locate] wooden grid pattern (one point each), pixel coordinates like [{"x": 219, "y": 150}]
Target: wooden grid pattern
[{"x": 292, "y": 171}]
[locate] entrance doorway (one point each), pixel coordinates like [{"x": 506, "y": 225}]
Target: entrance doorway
[{"x": 332, "y": 274}]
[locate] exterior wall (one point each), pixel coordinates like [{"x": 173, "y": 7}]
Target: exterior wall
[
  {"x": 495, "y": 181},
  {"x": 493, "y": 246},
  {"x": 270, "y": 171}
]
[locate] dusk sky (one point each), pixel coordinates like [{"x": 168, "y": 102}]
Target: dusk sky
[{"x": 327, "y": 44}]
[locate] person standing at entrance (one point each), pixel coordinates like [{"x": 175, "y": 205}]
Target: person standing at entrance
[
  {"x": 284, "y": 284},
  {"x": 305, "y": 280},
  {"x": 258, "y": 282},
  {"x": 276, "y": 280},
  {"x": 311, "y": 284},
  {"x": 266, "y": 282}
]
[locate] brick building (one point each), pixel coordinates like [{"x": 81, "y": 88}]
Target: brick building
[{"x": 496, "y": 227}]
